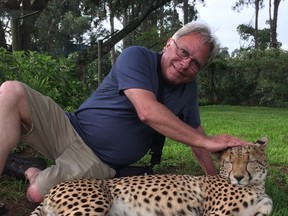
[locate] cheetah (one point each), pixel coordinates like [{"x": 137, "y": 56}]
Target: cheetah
[{"x": 237, "y": 190}]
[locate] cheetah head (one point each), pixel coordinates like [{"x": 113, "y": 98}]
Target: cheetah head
[{"x": 246, "y": 164}]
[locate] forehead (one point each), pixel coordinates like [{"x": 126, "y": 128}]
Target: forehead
[
  {"x": 193, "y": 40},
  {"x": 242, "y": 151},
  {"x": 194, "y": 44}
]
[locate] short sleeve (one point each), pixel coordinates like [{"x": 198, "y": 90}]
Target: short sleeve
[{"x": 136, "y": 67}]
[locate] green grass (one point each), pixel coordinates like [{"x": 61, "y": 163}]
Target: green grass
[
  {"x": 249, "y": 123},
  {"x": 12, "y": 189}
]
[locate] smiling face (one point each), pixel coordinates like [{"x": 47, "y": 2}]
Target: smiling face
[{"x": 183, "y": 58}]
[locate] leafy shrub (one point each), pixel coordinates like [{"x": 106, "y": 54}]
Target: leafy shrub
[
  {"x": 51, "y": 76},
  {"x": 252, "y": 77}
]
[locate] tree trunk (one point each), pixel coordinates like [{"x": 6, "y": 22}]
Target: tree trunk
[
  {"x": 214, "y": 97},
  {"x": 273, "y": 23},
  {"x": 256, "y": 23},
  {"x": 112, "y": 29},
  {"x": 160, "y": 19},
  {"x": 23, "y": 24},
  {"x": 3, "y": 42},
  {"x": 125, "y": 23},
  {"x": 175, "y": 14},
  {"x": 15, "y": 34},
  {"x": 185, "y": 11}
]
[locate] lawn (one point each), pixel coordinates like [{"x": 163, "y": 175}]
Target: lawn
[{"x": 249, "y": 123}]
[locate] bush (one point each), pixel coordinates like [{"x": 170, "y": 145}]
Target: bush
[
  {"x": 253, "y": 77},
  {"x": 51, "y": 76}
]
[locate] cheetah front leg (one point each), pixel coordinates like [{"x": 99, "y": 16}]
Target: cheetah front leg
[
  {"x": 264, "y": 207},
  {"x": 260, "y": 207},
  {"x": 37, "y": 211}
]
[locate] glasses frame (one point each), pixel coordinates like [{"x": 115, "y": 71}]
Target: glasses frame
[{"x": 185, "y": 55}]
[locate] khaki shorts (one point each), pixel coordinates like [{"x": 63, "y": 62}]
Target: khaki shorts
[{"x": 53, "y": 135}]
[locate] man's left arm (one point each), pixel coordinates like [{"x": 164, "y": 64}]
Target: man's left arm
[{"x": 204, "y": 157}]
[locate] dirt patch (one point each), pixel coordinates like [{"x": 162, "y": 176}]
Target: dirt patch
[
  {"x": 20, "y": 207},
  {"x": 13, "y": 191},
  {"x": 13, "y": 195}
]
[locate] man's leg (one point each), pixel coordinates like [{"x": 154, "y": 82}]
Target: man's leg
[
  {"x": 77, "y": 161},
  {"x": 53, "y": 135},
  {"x": 14, "y": 114},
  {"x": 44, "y": 125},
  {"x": 13, "y": 110}
]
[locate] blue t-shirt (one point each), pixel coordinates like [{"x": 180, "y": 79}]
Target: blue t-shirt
[{"x": 107, "y": 120}]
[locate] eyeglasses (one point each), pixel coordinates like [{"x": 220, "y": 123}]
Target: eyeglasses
[{"x": 184, "y": 54}]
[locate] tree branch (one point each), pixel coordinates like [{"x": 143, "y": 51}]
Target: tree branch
[{"x": 92, "y": 53}]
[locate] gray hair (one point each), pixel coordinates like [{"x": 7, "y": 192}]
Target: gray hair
[{"x": 204, "y": 30}]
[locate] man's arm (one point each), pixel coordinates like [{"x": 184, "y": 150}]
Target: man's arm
[
  {"x": 161, "y": 119},
  {"x": 204, "y": 158}
]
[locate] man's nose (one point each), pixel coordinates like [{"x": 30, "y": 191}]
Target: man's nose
[{"x": 186, "y": 63}]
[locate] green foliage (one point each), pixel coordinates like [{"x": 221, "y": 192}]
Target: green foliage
[
  {"x": 247, "y": 34},
  {"x": 151, "y": 39},
  {"x": 74, "y": 26},
  {"x": 64, "y": 25},
  {"x": 51, "y": 76},
  {"x": 91, "y": 76},
  {"x": 254, "y": 77}
]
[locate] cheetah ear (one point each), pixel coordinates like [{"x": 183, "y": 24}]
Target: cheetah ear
[
  {"x": 220, "y": 153},
  {"x": 262, "y": 141}
]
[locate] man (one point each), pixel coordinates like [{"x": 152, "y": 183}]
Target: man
[{"x": 118, "y": 123}]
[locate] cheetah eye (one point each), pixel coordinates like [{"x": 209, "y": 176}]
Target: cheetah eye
[
  {"x": 252, "y": 161},
  {"x": 227, "y": 162}
]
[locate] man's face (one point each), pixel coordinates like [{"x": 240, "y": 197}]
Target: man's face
[{"x": 183, "y": 58}]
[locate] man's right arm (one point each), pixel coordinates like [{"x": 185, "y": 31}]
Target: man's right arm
[{"x": 161, "y": 119}]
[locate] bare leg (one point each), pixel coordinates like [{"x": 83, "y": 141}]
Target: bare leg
[{"x": 13, "y": 112}]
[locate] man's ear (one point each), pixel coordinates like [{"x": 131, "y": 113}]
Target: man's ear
[{"x": 168, "y": 43}]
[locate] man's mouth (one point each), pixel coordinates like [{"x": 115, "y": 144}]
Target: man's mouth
[
  {"x": 184, "y": 75},
  {"x": 179, "y": 72}
]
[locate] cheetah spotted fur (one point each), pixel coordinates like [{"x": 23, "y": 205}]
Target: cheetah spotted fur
[{"x": 237, "y": 191}]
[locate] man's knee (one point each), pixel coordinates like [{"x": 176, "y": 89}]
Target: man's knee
[
  {"x": 12, "y": 89},
  {"x": 13, "y": 95}
]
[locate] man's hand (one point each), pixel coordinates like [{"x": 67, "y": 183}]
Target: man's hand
[{"x": 220, "y": 142}]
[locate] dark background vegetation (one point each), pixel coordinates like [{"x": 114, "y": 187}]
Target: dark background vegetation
[{"x": 65, "y": 48}]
